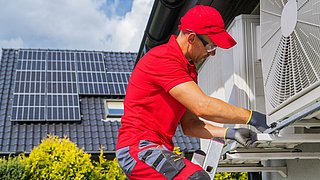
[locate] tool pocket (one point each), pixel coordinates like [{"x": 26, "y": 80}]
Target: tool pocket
[
  {"x": 125, "y": 160},
  {"x": 165, "y": 162}
]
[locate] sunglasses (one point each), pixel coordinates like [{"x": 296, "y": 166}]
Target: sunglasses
[{"x": 210, "y": 47}]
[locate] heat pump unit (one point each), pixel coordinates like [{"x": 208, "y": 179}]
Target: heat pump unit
[{"x": 290, "y": 41}]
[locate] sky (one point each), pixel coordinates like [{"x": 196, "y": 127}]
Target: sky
[{"x": 108, "y": 25}]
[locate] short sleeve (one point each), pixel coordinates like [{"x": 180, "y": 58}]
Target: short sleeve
[{"x": 170, "y": 72}]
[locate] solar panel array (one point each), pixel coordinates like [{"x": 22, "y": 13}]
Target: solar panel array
[{"x": 48, "y": 83}]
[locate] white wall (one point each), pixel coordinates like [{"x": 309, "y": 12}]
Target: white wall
[{"x": 235, "y": 76}]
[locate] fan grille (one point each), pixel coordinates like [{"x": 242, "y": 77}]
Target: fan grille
[{"x": 296, "y": 62}]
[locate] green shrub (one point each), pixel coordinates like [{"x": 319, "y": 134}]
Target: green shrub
[
  {"x": 107, "y": 169},
  {"x": 12, "y": 169},
  {"x": 231, "y": 176},
  {"x": 58, "y": 158}
]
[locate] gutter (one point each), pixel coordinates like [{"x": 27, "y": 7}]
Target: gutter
[
  {"x": 159, "y": 27},
  {"x": 165, "y": 15}
]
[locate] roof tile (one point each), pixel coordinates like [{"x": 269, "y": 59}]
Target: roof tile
[{"x": 88, "y": 134}]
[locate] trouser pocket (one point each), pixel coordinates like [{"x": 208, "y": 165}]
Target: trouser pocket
[
  {"x": 165, "y": 162},
  {"x": 125, "y": 160}
]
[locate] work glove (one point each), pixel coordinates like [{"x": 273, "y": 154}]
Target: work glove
[
  {"x": 244, "y": 136},
  {"x": 258, "y": 120}
]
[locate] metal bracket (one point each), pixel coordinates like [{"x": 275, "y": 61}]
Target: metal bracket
[
  {"x": 288, "y": 138},
  {"x": 307, "y": 111},
  {"x": 281, "y": 170},
  {"x": 263, "y": 156}
]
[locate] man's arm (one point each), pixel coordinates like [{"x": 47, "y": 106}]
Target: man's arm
[
  {"x": 192, "y": 97},
  {"x": 193, "y": 126}
]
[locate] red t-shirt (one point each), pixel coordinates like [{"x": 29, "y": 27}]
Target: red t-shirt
[{"x": 150, "y": 112}]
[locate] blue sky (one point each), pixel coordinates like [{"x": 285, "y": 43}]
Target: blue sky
[
  {"x": 116, "y": 8},
  {"x": 109, "y": 25}
]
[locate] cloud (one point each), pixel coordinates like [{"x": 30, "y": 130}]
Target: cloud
[
  {"x": 11, "y": 43},
  {"x": 129, "y": 30},
  {"x": 72, "y": 24},
  {"x": 116, "y": 7}
]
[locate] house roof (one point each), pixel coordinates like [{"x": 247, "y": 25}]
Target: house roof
[{"x": 89, "y": 133}]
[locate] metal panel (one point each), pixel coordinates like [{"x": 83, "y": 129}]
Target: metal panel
[
  {"x": 29, "y": 100},
  {"x": 91, "y": 73},
  {"x": 240, "y": 85},
  {"x": 234, "y": 75},
  {"x": 48, "y": 83},
  {"x": 118, "y": 82},
  {"x": 290, "y": 34},
  {"x": 45, "y": 87},
  {"x": 62, "y": 92}
]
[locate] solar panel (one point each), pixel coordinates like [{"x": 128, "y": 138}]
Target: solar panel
[
  {"x": 118, "y": 82},
  {"x": 45, "y": 87},
  {"x": 62, "y": 92},
  {"x": 92, "y": 73},
  {"x": 48, "y": 83},
  {"x": 30, "y": 87}
]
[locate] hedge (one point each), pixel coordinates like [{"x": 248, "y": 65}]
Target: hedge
[
  {"x": 60, "y": 158},
  {"x": 12, "y": 169}
]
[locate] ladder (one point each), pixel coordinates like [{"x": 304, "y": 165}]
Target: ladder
[{"x": 209, "y": 161}]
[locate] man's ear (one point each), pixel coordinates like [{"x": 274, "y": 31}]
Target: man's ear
[{"x": 191, "y": 38}]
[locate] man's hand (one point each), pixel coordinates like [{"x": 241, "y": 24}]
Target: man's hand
[
  {"x": 258, "y": 120},
  {"x": 244, "y": 136}
]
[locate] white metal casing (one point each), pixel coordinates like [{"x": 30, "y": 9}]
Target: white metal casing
[
  {"x": 290, "y": 42},
  {"x": 235, "y": 75}
]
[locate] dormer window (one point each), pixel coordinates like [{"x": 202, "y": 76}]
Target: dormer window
[{"x": 114, "y": 108}]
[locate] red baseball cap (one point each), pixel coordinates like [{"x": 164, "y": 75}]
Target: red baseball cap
[{"x": 207, "y": 20}]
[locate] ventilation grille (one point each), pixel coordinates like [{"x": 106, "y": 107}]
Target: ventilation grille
[{"x": 296, "y": 62}]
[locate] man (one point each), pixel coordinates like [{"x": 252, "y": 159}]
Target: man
[{"x": 163, "y": 92}]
